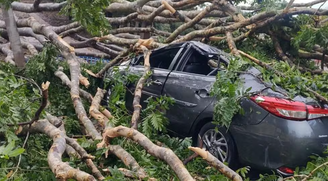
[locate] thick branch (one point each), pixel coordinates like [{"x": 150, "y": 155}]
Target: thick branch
[
  {"x": 212, "y": 160},
  {"x": 60, "y": 29},
  {"x": 138, "y": 90},
  {"x": 127, "y": 42},
  {"x": 80, "y": 111},
  {"x": 94, "y": 108},
  {"x": 15, "y": 43},
  {"x": 62, "y": 170},
  {"x": 9, "y": 54},
  {"x": 88, "y": 158},
  {"x": 128, "y": 160},
  {"x": 279, "y": 50},
  {"x": 190, "y": 23},
  {"x": 58, "y": 123},
  {"x": 258, "y": 17},
  {"x": 71, "y": 31},
  {"x": 165, "y": 154},
  {"x": 232, "y": 44},
  {"x": 178, "y": 15},
  {"x": 315, "y": 55},
  {"x": 31, "y": 48},
  {"x": 29, "y": 8},
  {"x": 60, "y": 74},
  {"x": 26, "y": 32},
  {"x": 112, "y": 62},
  {"x": 74, "y": 64}
]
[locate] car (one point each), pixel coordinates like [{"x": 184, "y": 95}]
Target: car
[{"x": 273, "y": 133}]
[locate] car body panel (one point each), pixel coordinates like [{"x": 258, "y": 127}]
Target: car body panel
[
  {"x": 277, "y": 142},
  {"x": 191, "y": 95}
]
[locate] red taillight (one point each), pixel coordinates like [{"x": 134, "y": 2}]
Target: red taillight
[
  {"x": 286, "y": 170},
  {"x": 289, "y": 109},
  {"x": 316, "y": 112},
  {"x": 282, "y": 107}
]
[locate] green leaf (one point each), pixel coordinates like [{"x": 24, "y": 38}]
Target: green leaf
[
  {"x": 16, "y": 152},
  {"x": 6, "y": 150}
]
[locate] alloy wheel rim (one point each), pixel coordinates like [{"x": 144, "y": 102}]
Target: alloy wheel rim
[{"x": 216, "y": 144}]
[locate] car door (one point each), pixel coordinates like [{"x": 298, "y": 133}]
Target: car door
[
  {"x": 161, "y": 63},
  {"x": 190, "y": 88}
]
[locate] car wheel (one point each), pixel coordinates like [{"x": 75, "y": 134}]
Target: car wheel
[{"x": 219, "y": 143}]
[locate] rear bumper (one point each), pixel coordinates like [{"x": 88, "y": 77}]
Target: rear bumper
[{"x": 277, "y": 142}]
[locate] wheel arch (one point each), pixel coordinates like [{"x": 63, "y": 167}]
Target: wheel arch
[{"x": 198, "y": 126}]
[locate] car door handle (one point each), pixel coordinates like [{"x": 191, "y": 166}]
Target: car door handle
[
  {"x": 202, "y": 93},
  {"x": 157, "y": 82}
]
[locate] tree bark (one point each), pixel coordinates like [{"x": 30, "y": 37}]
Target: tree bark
[
  {"x": 62, "y": 170},
  {"x": 14, "y": 38},
  {"x": 139, "y": 86},
  {"x": 213, "y": 161},
  {"x": 165, "y": 154}
]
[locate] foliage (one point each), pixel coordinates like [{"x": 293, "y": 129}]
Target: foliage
[
  {"x": 6, "y": 3},
  {"x": 43, "y": 64},
  {"x": 154, "y": 115},
  {"x": 317, "y": 163},
  {"x": 90, "y": 14},
  {"x": 308, "y": 36},
  {"x": 18, "y": 101},
  {"x": 41, "y": 68},
  {"x": 227, "y": 90},
  {"x": 115, "y": 83},
  {"x": 8, "y": 151}
]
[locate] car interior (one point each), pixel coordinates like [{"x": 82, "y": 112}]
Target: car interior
[
  {"x": 163, "y": 59},
  {"x": 197, "y": 63},
  {"x": 200, "y": 64}
]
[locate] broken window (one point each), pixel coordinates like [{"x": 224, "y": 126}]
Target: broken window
[
  {"x": 161, "y": 59},
  {"x": 198, "y": 64}
]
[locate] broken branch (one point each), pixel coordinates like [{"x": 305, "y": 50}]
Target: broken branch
[{"x": 213, "y": 161}]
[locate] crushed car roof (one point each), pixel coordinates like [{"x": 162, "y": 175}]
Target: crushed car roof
[{"x": 202, "y": 48}]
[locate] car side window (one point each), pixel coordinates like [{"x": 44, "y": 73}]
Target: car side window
[
  {"x": 198, "y": 64},
  {"x": 162, "y": 59}
]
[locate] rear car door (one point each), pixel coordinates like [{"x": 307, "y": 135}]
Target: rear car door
[
  {"x": 161, "y": 63},
  {"x": 189, "y": 85}
]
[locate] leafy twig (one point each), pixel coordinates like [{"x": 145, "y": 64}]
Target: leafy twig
[
  {"x": 37, "y": 114},
  {"x": 314, "y": 170}
]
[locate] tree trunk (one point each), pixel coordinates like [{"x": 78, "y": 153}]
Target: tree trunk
[{"x": 14, "y": 38}]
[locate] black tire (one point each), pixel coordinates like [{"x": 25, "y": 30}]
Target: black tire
[{"x": 231, "y": 151}]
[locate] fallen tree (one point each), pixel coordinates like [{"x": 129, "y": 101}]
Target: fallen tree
[{"x": 218, "y": 22}]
